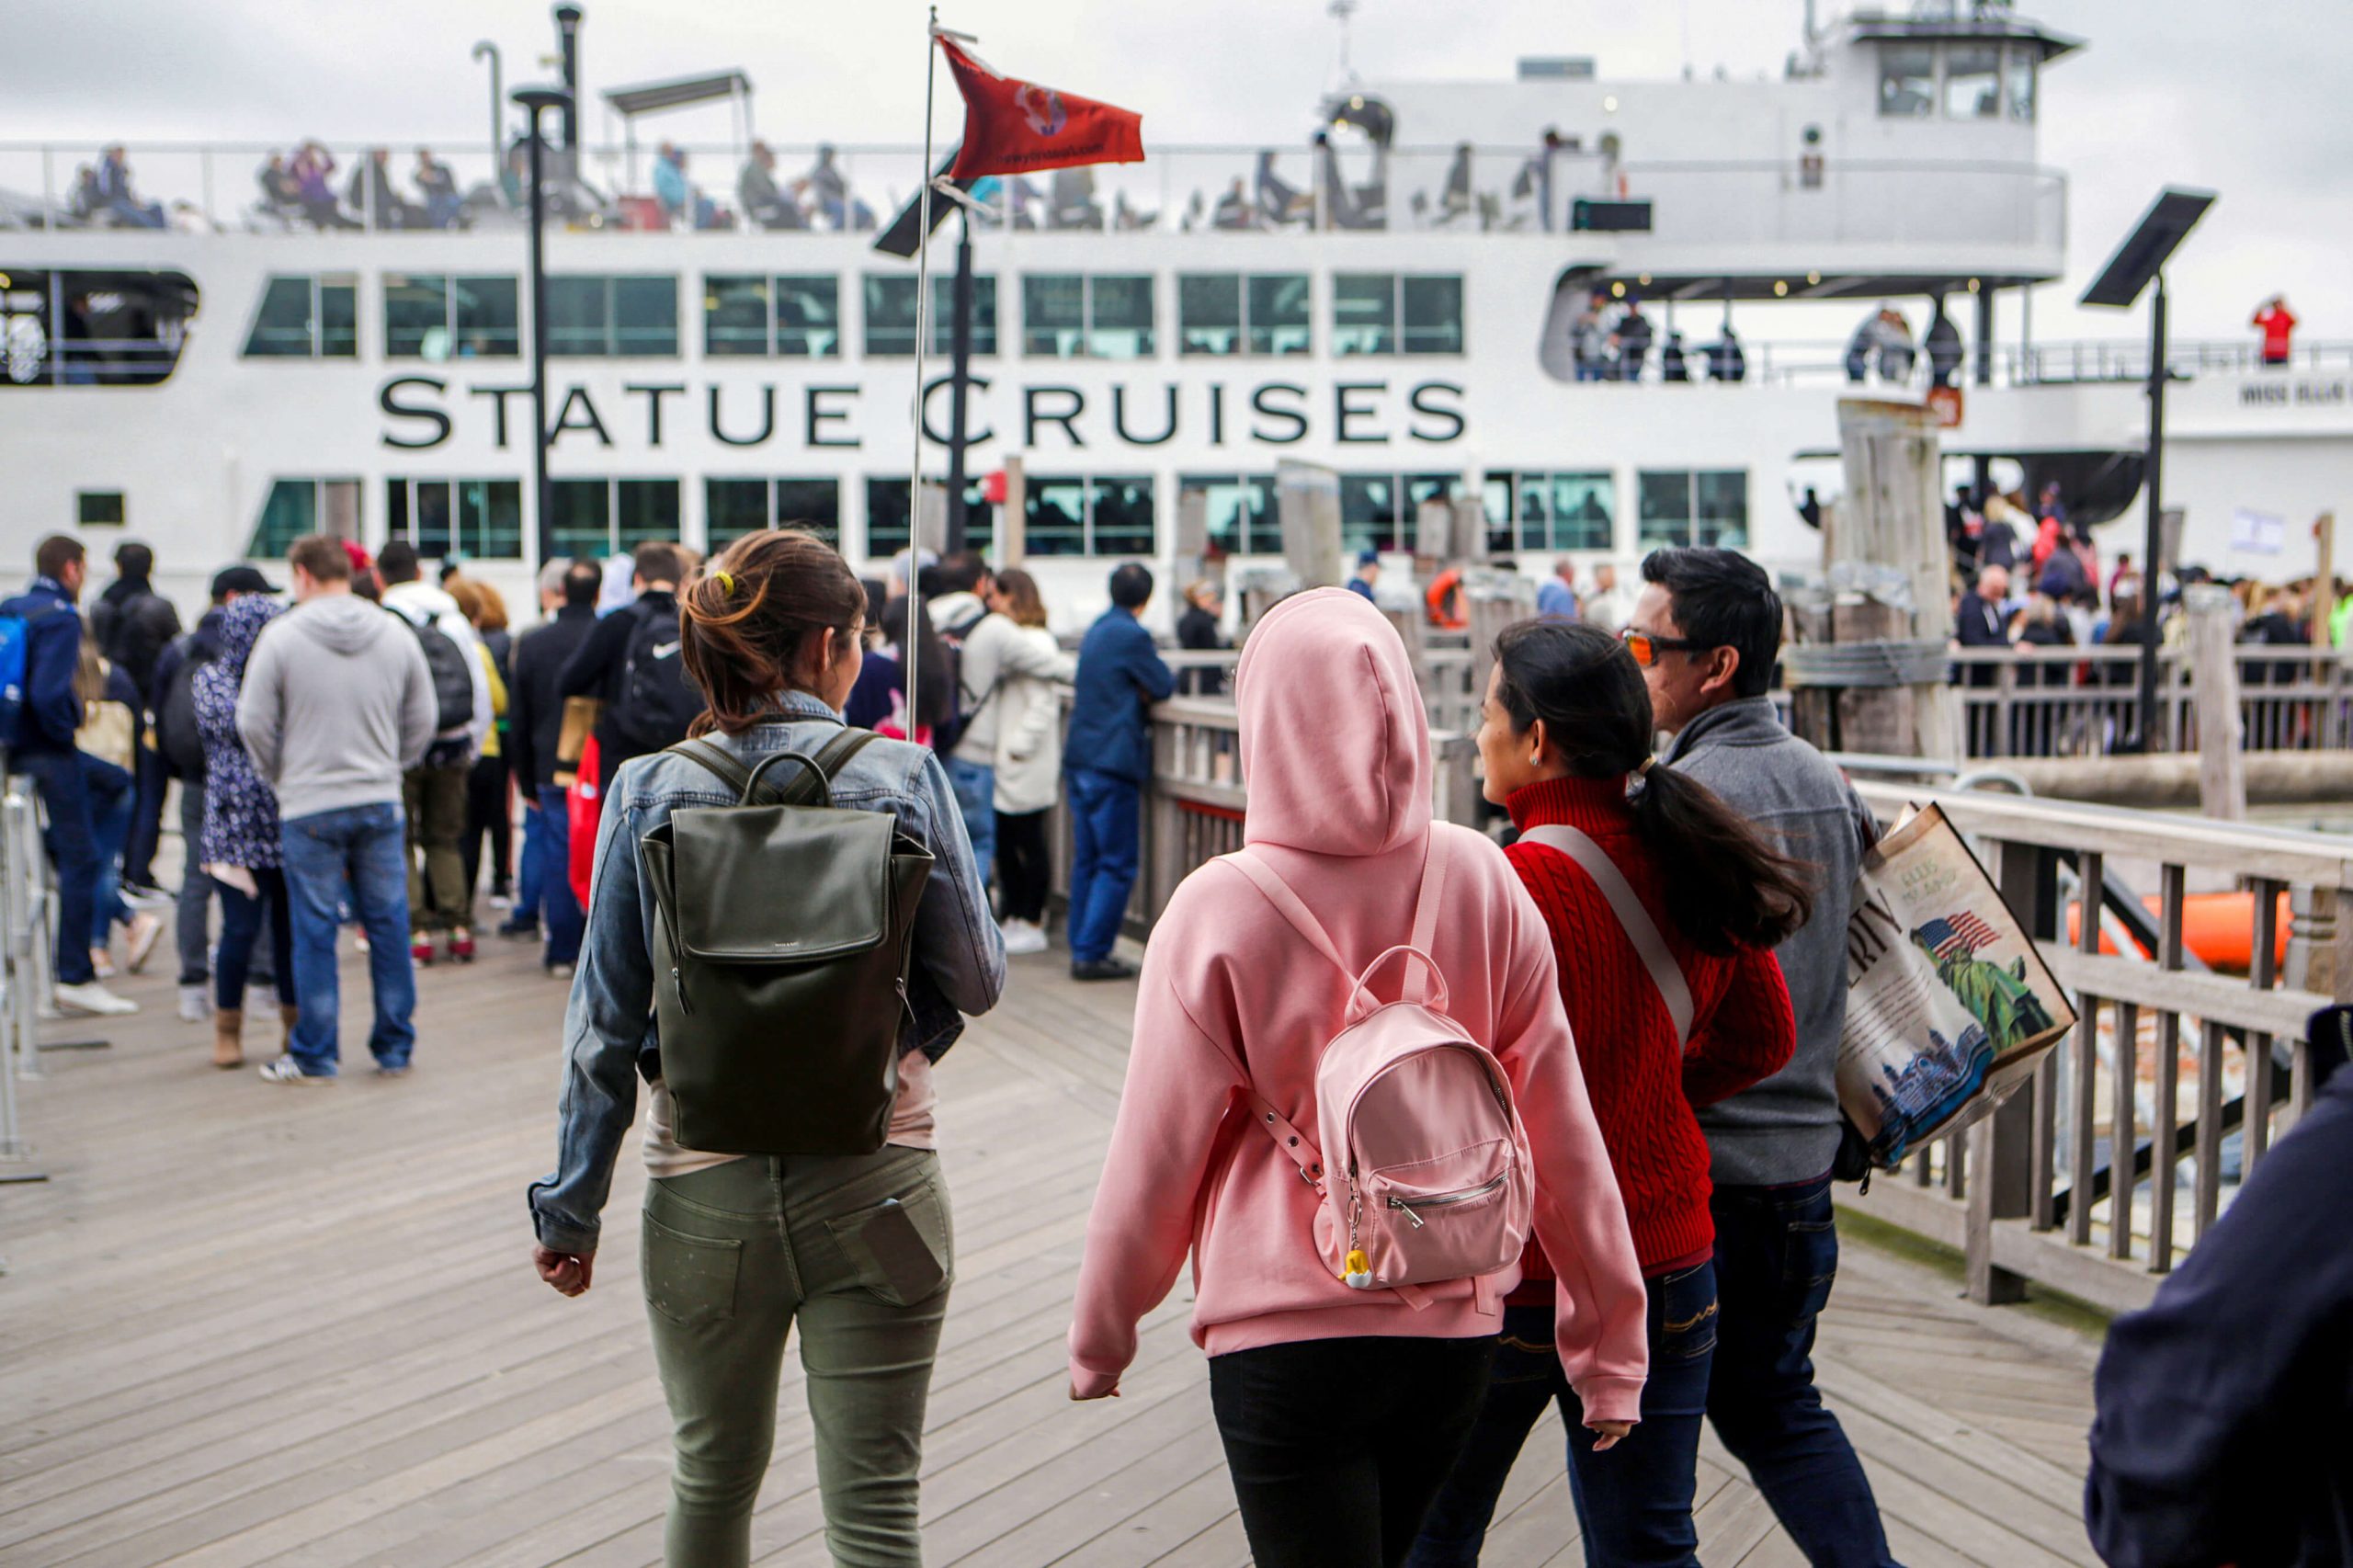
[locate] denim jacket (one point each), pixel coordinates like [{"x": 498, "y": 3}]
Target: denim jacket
[{"x": 958, "y": 955}]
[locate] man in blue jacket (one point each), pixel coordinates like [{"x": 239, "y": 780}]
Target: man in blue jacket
[
  {"x": 44, "y": 752},
  {"x": 1106, "y": 760}
]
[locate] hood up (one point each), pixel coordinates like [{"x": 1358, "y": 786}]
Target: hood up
[
  {"x": 1336, "y": 746},
  {"x": 344, "y": 623},
  {"x": 240, "y": 625}
]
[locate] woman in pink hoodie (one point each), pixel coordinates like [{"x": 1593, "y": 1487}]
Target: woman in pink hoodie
[{"x": 1342, "y": 1410}]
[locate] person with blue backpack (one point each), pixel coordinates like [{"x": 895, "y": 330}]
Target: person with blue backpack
[{"x": 40, "y": 711}]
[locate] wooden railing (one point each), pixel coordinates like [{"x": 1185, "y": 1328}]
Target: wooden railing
[
  {"x": 2029, "y": 702},
  {"x": 2136, "y": 1130}
]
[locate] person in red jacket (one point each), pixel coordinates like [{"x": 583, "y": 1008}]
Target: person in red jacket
[
  {"x": 1566, "y": 729},
  {"x": 2277, "y": 326}
]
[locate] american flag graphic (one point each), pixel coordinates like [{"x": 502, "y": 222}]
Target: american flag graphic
[{"x": 1958, "y": 934}]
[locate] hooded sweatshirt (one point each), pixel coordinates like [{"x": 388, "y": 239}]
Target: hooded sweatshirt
[
  {"x": 1336, "y": 753},
  {"x": 337, "y": 701}
]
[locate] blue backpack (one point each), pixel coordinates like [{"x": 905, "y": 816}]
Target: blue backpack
[{"x": 16, "y": 632}]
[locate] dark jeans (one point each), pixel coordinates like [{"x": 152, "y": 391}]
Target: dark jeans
[
  {"x": 74, "y": 848},
  {"x": 1024, "y": 866},
  {"x": 1104, "y": 814},
  {"x": 532, "y": 864},
  {"x": 240, "y": 922},
  {"x": 975, "y": 787},
  {"x": 1777, "y": 1256},
  {"x": 1633, "y": 1502},
  {"x": 147, "y": 818},
  {"x": 1338, "y": 1446},
  {"x": 560, "y": 912},
  {"x": 113, "y": 801},
  {"x": 195, "y": 890},
  {"x": 490, "y": 811},
  {"x": 352, "y": 856}
]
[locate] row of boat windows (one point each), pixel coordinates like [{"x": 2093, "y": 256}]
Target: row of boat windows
[
  {"x": 1101, "y": 515},
  {"x": 800, "y": 315}
]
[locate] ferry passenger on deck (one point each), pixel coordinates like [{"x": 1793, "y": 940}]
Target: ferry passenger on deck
[
  {"x": 1342, "y": 1409},
  {"x": 438, "y": 187},
  {"x": 742, "y": 1249}
]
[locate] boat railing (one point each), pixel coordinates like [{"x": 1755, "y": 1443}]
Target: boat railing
[
  {"x": 1204, "y": 188},
  {"x": 1827, "y": 362},
  {"x": 2097, "y": 1177}
]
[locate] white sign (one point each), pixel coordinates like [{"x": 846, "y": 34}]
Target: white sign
[{"x": 2257, "y": 533}]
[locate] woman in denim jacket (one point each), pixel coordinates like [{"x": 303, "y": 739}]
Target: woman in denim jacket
[{"x": 736, "y": 1249}]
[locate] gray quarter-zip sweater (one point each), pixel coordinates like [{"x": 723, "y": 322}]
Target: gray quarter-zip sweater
[{"x": 1786, "y": 1128}]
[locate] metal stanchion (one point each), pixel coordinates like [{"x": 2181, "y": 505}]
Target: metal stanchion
[{"x": 20, "y": 868}]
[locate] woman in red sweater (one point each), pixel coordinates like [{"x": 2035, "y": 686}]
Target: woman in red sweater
[{"x": 1565, "y": 735}]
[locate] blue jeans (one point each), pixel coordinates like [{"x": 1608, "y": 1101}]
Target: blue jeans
[
  {"x": 1104, "y": 814},
  {"x": 195, "y": 889},
  {"x": 561, "y": 916},
  {"x": 114, "y": 798},
  {"x": 1777, "y": 1256},
  {"x": 530, "y": 866},
  {"x": 354, "y": 854},
  {"x": 975, "y": 787},
  {"x": 1635, "y": 1500},
  {"x": 74, "y": 848}
]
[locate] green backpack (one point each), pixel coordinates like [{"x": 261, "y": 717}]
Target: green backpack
[{"x": 780, "y": 959}]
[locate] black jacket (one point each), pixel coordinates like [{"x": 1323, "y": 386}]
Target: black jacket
[
  {"x": 2222, "y": 1409},
  {"x": 535, "y": 696},
  {"x": 134, "y": 625},
  {"x": 595, "y": 669}
]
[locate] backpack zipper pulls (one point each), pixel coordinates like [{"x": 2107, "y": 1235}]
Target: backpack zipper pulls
[
  {"x": 678, "y": 984},
  {"x": 1400, "y": 1205}
]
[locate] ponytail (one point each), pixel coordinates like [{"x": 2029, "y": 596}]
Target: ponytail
[
  {"x": 1726, "y": 886},
  {"x": 743, "y": 624}
]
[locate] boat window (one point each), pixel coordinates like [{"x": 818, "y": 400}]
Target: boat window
[
  {"x": 593, "y": 518},
  {"x": 1066, "y": 315},
  {"x": 1209, "y": 312},
  {"x": 93, "y": 328},
  {"x": 596, "y": 316},
  {"x": 1706, "y": 508},
  {"x": 795, "y": 316},
  {"x": 1542, "y": 512},
  {"x": 1378, "y": 511},
  {"x": 1102, "y": 515},
  {"x": 809, "y": 316},
  {"x": 1364, "y": 312},
  {"x": 1433, "y": 315},
  {"x": 886, "y": 517},
  {"x": 1053, "y": 314},
  {"x": 1242, "y": 515},
  {"x": 98, "y": 508},
  {"x": 1907, "y": 79},
  {"x": 481, "y": 519},
  {"x": 307, "y": 317},
  {"x": 891, "y": 314},
  {"x": 432, "y": 316},
  {"x": 1278, "y": 320},
  {"x": 1974, "y": 82},
  {"x": 736, "y": 319},
  {"x": 297, "y": 507},
  {"x": 1118, "y": 317},
  {"x": 733, "y": 507},
  {"x": 2021, "y": 73}
]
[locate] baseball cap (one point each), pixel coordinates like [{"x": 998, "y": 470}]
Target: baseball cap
[
  {"x": 241, "y": 580},
  {"x": 1369, "y": 558}
]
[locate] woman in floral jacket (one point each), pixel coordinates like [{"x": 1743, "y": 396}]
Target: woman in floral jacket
[{"x": 240, "y": 850}]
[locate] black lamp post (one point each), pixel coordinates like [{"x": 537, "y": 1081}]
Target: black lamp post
[{"x": 537, "y": 102}]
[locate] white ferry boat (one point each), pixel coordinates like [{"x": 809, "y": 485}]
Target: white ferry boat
[{"x": 1394, "y": 297}]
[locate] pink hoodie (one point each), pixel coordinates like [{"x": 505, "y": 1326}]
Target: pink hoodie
[{"x": 1335, "y": 751}]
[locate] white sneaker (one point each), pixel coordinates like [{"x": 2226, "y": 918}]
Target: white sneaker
[
  {"x": 94, "y": 999},
  {"x": 196, "y": 1003},
  {"x": 1021, "y": 938},
  {"x": 146, "y": 929}
]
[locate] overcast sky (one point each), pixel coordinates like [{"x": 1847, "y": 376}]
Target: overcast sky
[{"x": 2177, "y": 91}]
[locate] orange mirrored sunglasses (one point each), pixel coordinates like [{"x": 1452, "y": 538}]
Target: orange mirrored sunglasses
[{"x": 1647, "y": 646}]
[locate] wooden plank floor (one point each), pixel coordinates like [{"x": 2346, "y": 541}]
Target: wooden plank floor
[{"x": 245, "y": 1326}]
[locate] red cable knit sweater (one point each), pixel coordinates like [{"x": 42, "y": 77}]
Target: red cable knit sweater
[{"x": 1643, "y": 1088}]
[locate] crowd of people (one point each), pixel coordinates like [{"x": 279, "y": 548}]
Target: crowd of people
[{"x": 1611, "y": 340}]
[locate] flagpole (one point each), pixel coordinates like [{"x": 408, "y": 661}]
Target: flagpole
[{"x": 923, "y": 333}]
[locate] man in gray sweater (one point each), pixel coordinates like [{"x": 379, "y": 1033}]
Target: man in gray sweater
[
  {"x": 1707, "y": 630},
  {"x": 337, "y": 702}
]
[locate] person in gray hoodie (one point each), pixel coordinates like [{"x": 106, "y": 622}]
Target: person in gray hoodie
[
  {"x": 1707, "y": 632},
  {"x": 337, "y": 703}
]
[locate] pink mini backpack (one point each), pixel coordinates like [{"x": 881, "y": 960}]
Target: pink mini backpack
[{"x": 1434, "y": 1181}]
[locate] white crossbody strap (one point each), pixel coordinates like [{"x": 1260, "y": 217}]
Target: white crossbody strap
[{"x": 1641, "y": 929}]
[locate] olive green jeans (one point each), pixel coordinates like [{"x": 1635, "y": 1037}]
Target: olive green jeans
[{"x": 857, "y": 1250}]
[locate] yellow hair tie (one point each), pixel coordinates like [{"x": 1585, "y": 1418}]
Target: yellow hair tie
[{"x": 727, "y": 582}]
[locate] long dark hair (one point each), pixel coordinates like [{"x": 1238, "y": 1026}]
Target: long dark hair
[
  {"x": 935, "y": 704},
  {"x": 743, "y": 624},
  {"x": 1726, "y": 886}
]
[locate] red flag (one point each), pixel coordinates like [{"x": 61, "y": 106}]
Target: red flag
[{"x": 1012, "y": 127}]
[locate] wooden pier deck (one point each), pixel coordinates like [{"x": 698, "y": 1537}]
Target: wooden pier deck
[{"x": 246, "y": 1325}]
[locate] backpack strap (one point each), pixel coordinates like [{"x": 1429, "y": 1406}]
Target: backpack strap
[
  {"x": 804, "y": 787},
  {"x": 1641, "y": 929}
]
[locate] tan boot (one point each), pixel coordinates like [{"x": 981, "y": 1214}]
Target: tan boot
[
  {"x": 227, "y": 1038},
  {"x": 286, "y": 1015}
]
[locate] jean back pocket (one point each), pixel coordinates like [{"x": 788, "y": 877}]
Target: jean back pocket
[
  {"x": 900, "y": 1248},
  {"x": 689, "y": 1280}
]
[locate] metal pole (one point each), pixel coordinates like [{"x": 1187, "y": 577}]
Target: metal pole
[
  {"x": 923, "y": 343},
  {"x": 535, "y": 101},
  {"x": 1984, "y": 335},
  {"x": 961, "y": 347},
  {"x": 488, "y": 50},
  {"x": 2152, "y": 541}
]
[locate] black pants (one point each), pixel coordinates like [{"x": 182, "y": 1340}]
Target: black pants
[
  {"x": 1024, "y": 870},
  {"x": 146, "y": 819},
  {"x": 1338, "y": 1446},
  {"x": 489, "y": 811}
]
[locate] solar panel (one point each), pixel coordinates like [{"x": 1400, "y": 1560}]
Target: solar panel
[{"x": 2148, "y": 247}]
